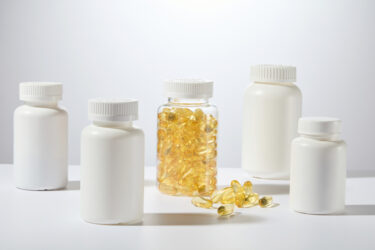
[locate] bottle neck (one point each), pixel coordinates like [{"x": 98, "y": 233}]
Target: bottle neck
[
  {"x": 187, "y": 101},
  {"x": 332, "y": 137},
  {"x": 44, "y": 104},
  {"x": 113, "y": 124},
  {"x": 276, "y": 83}
]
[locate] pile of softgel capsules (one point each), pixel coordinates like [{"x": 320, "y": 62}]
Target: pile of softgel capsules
[{"x": 241, "y": 196}]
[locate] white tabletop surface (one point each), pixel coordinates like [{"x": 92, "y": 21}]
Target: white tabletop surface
[{"x": 51, "y": 220}]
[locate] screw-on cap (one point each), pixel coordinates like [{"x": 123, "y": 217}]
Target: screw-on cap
[
  {"x": 113, "y": 110},
  {"x": 273, "y": 73},
  {"x": 188, "y": 88},
  {"x": 40, "y": 91},
  {"x": 319, "y": 126}
]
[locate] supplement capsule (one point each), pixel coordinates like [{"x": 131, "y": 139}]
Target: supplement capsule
[
  {"x": 167, "y": 189},
  {"x": 226, "y": 209},
  {"x": 239, "y": 194},
  {"x": 235, "y": 185},
  {"x": 228, "y": 196},
  {"x": 201, "y": 202},
  {"x": 248, "y": 187},
  {"x": 266, "y": 201},
  {"x": 251, "y": 200},
  {"x": 217, "y": 195}
]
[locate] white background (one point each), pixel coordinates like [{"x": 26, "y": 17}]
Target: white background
[{"x": 127, "y": 48}]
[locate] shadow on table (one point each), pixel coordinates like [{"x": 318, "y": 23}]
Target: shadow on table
[
  {"x": 191, "y": 219},
  {"x": 269, "y": 189},
  {"x": 150, "y": 182},
  {"x": 361, "y": 209},
  {"x": 72, "y": 185},
  {"x": 364, "y": 173}
]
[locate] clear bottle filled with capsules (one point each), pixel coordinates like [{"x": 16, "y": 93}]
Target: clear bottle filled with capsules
[{"x": 187, "y": 139}]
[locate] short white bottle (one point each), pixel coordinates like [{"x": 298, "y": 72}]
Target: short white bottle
[
  {"x": 40, "y": 138},
  {"x": 318, "y": 167},
  {"x": 272, "y": 106},
  {"x": 112, "y": 164}
]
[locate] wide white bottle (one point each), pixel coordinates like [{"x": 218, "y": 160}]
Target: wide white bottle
[
  {"x": 318, "y": 167},
  {"x": 112, "y": 163},
  {"x": 40, "y": 138},
  {"x": 272, "y": 106}
]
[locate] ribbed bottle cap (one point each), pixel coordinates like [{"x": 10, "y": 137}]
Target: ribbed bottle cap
[
  {"x": 41, "y": 91},
  {"x": 188, "y": 88},
  {"x": 273, "y": 73},
  {"x": 319, "y": 126},
  {"x": 113, "y": 109}
]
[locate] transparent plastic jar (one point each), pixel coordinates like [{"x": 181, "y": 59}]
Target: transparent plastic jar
[{"x": 187, "y": 139}]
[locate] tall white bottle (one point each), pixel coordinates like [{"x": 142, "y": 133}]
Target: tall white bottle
[
  {"x": 40, "y": 138},
  {"x": 272, "y": 106},
  {"x": 112, "y": 163}
]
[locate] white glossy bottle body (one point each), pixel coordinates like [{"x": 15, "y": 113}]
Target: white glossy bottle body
[
  {"x": 40, "y": 146},
  {"x": 270, "y": 116},
  {"x": 318, "y": 174},
  {"x": 112, "y": 173}
]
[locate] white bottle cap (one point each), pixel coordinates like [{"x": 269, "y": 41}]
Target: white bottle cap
[
  {"x": 116, "y": 110},
  {"x": 273, "y": 73},
  {"x": 40, "y": 91},
  {"x": 319, "y": 126},
  {"x": 188, "y": 88}
]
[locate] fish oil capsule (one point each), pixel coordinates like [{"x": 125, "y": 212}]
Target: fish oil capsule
[
  {"x": 187, "y": 132},
  {"x": 201, "y": 202},
  {"x": 235, "y": 185},
  {"x": 225, "y": 210},
  {"x": 265, "y": 201},
  {"x": 248, "y": 187},
  {"x": 217, "y": 195},
  {"x": 251, "y": 200},
  {"x": 228, "y": 196},
  {"x": 167, "y": 189},
  {"x": 239, "y": 194}
]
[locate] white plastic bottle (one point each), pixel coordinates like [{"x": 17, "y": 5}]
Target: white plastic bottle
[
  {"x": 40, "y": 138},
  {"x": 272, "y": 106},
  {"x": 112, "y": 164},
  {"x": 318, "y": 167}
]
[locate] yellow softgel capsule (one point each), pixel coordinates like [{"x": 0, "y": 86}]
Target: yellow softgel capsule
[
  {"x": 235, "y": 185},
  {"x": 228, "y": 196},
  {"x": 167, "y": 189},
  {"x": 201, "y": 202},
  {"x": 239, "y": 194},
  {"x": 217, "y": 195},
  {"x": 248, "y": 187},
  {"x": 251, "y": 200},
  {"x": 265, "y": 201},
  {"x": 225, "y": 210}
]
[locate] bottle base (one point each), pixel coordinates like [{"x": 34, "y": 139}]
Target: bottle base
[
  {"x": 113, "y": 221},
  {"x": 184, "y": 191},
  {"x": 40, "y": 188},
  {"x": 322, "y": 212},
  {"x": 268, "y": 176}
]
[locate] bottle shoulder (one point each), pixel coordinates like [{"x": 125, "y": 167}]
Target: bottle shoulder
[
  {"x": 308, "y": 142},
  {"x": 273, "y": 89},
  {"x": 208, "y": 108},
  {"x": 191, "y": 106},
  {"x": 27, "y": 110},
  {"x": 112, "y": 133}
]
